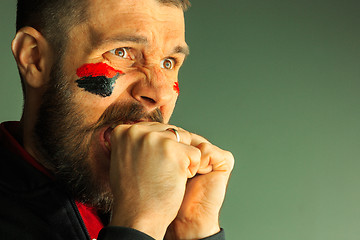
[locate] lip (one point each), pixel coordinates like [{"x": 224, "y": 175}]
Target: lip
[
  {"x": 104, "y": 137},
  {"x": 105, "y": 134}
]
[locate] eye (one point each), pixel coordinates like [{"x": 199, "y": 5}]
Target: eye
[
  {"x": 168, "y": 63},
  {"x": 121, "y": 52}
]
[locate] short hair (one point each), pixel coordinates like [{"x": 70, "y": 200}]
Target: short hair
[
  {"x": 55, "y": 18},
  {"x": 184, "y": 4},
  {"x": 52, "y": 18}
]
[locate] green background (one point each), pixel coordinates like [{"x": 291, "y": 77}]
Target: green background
[{"x": 276, "y": 82}]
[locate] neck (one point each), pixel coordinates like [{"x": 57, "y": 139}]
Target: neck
[{"x": 26, "y": 133}]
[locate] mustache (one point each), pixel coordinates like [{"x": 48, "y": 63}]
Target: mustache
[{"x": 117, "y": 114}]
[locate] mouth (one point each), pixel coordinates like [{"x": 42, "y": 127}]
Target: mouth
[{"x": 105, "y": 135}]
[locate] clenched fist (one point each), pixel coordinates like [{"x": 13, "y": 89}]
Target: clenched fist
[{"x": 164, "y": 186}]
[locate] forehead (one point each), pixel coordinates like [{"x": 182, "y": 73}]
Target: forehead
[{"x": 155, "y": 22}]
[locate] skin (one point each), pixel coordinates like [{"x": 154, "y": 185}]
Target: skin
[{"x": 161, "y": 187}]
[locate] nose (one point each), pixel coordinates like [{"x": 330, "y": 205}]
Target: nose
[{"x": 154, "y": 89}]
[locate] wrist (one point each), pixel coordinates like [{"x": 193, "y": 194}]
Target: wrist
[
  {"x": 181, "y": 230},
  {"x": 149, "y": 224}
]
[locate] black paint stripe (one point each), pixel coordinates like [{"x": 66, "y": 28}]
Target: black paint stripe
[{"x": 100, "y": 85}]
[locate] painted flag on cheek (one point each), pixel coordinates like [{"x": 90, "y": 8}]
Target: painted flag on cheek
[{"x": 98, "y": 78}]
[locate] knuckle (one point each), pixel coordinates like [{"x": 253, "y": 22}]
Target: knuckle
[
  {"x": 171, "y": 126},
  {"x": 229, "y": 159},
  {"x": 168, "y": 147},
  {"x": 205, "y": 147},
  {"x": 151, "y": 137},
  {"x": 133, "y": 130},
  {"x": 172, "y": 154},
  {"x": 196, "y": 153},
  {"x": 185, "y": 136},
  {"x": 117, "y": 132}
]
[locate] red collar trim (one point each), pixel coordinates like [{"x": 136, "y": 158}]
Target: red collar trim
[
  {"x": 9, "y": 141},
  {"x": 91, "y": 219},
  {"x": 89, "y": 214}
]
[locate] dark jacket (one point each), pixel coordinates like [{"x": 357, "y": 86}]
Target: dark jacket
[{"x": 33, "y": 206}]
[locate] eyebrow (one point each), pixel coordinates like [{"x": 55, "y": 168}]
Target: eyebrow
[
  {"x": 124, "y": 38},
  {"x": 182, "y": 49},
  {"x": 140, "y": 40}
]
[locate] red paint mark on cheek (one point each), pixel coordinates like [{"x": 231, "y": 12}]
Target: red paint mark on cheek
[
  {"x": 97, "y": 69},
  {"x": 176, "y": 87}
]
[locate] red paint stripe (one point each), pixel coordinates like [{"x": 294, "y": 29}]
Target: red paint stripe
[
  {"x": 176, "y": 87},
  {"x": 97, "y": 69}
]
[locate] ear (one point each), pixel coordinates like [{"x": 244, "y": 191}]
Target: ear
[{"x": 33, "y": 56}]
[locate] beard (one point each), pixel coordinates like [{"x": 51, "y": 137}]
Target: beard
[{"x": 63, "y": 140}]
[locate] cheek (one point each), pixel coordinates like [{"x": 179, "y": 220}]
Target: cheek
[
  {"x": 168, "y": 109},
  {"x": 176, "y": 88},
  {"x": 124, "y": 64}
]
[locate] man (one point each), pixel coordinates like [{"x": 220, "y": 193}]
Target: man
[{"x": 93, "y": 151}]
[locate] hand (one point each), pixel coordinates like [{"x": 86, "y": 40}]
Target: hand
[
  {"x": 148, "y": 174},
  {"x": 198, "y": 216}
]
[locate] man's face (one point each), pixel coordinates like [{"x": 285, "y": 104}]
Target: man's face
[
  {"x": 120, "y": 66},
  {"x": 143, "y": 39}
]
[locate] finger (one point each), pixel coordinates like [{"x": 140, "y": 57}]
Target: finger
[
  {"x": 197, "y": 139},
  {"x": 216, "y": 158},
  {"x": 155, "y": 125},
  {"x": 184, "y": 136},
  {"x": 139, "y": 129},
  {"x": 151, "y": 124},
  {"x": 205, "y": 169},
  {"x": 194, "y": 156}
]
